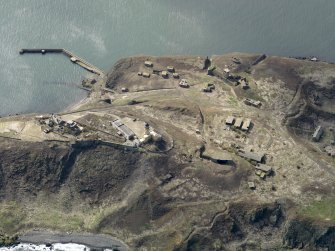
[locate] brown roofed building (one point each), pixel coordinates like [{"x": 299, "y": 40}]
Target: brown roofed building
[
  {"x": 165, "y": 74},
  {"x": 246, "y": 125},
  {"x": 148, "y": 63},
  {"x": 238, "y": 123},
  {"x": 146, "y": 74},
  {"x": 230, "y": 120},
  {"x": 170, "y": 68}
]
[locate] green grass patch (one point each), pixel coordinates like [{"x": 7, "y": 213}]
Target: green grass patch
[
  {"x": 11, "y": 217},
  {"x": 320, "y": 210},
  {"x": 233, "y": 101},
  {"x": 57, "y": 220}
]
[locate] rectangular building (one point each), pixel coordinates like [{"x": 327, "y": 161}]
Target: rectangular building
[
  {"x": 148, "y": 63},
  {"x": 252, "y": 102},
  {"x": 127, "y": 132},
  {"x": 258, "y": 157},
  {"x": 264, "y": 168},
  {"x": 217, "y": 156},
  {"x": 246, "y": 125},
  {"x": 230, "y": 120},
  {"x": 238, "y": 123},
  {"x": 117, "y": 123}
]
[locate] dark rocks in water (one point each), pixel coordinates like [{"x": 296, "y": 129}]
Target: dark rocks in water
[{"x": 6, "y": 240}]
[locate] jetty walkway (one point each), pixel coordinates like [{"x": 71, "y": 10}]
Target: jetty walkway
[{"x": 74, "y": 59}]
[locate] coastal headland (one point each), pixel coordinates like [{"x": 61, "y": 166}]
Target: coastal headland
[{"x": 229, "y": 152}]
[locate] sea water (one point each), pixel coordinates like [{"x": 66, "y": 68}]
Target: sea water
[{"x": 102, "y": 31}]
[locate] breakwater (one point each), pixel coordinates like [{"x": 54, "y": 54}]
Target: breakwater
[{"x": 73, "y": 57}]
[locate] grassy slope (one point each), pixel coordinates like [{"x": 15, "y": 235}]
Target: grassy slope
[{"x": 320, "y": 210}]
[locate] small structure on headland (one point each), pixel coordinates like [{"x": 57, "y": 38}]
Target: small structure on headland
[
  {"x": 238, "y": 123},
  {"x": 170, "y": 69},
  {"x": 209, "y": 88},
  {"x": 330, "y": 150},
  {"x": 210, "y": 70},
  {"x": 317, "y": 133},
  {"x": 146, "y": 74},
  {"x": 252, "y": 102},
  {"x": 246, "y": 125},
  {"x": 183, "y": 83},
  {"x": 148, "y": 63},
  {"x": 264, "y": 168},
  {"x": 165, "y": 74},
  {"x": 244, "y": 83},
  {"x": 55, "y": 123},
  {"x": 150, "y": 135},
  {"x": 230, "y": 120},
  {"x": 258, "y": 157},
  {"x": 175, "y": 75},
  {"x": 226, "y": 70},
  {"x": 251, "y": 185}
]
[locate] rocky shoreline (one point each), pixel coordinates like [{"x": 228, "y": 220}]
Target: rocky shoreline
[{"x": 92, "y": 241}]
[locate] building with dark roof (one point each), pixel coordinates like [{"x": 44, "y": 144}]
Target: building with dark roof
[
  {"x": 117, "y": 123},
  {"x": 125, "y": 130},
  {"x": 217, "y": 156}
]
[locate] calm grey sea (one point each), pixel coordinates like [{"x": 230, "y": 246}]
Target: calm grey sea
[{"x": 102, "y": 31}]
